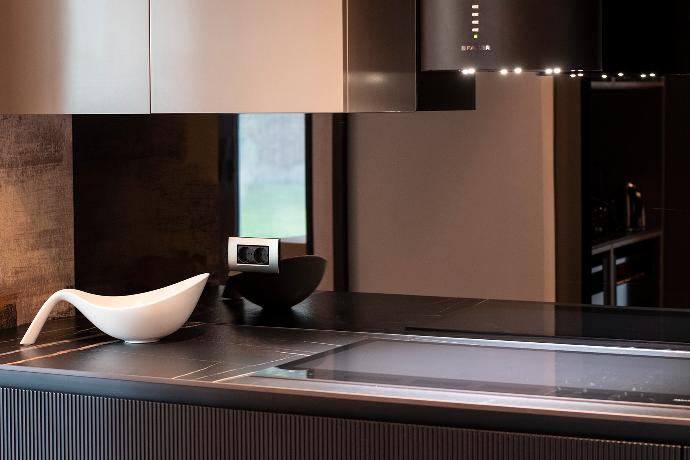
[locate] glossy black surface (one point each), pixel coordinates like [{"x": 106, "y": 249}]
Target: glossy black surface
[
  {"x": 230, "y": 338},
  {"x": 298, "y": 279},
  {"x": 495, "y": 34},
  {"x": 563, "y": 321},
  {"x": 401, "y": 314},
  {"x": 610, "y": 35},
  {"x": 558, "y": 371},
  {"x": 214, "y": 359}
]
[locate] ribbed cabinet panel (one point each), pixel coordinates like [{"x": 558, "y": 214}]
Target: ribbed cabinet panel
[{"x": 43, "y": 425}]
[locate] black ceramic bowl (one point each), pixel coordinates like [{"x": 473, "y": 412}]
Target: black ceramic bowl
[{"x": 298, "y": 278}]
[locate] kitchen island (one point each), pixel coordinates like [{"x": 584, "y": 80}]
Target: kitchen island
[{"x": 213, "y": 389}]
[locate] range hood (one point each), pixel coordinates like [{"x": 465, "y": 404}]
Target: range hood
[{"x": 555, "y": 36}]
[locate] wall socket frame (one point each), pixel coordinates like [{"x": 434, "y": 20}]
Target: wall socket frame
[{"x": 257, "y": 255}]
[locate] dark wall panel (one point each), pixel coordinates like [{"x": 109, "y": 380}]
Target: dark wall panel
[
  {"x": 147, "y": 201},
  {"x": 626, "y": 145},
  {"x": 677, "y": 198}
]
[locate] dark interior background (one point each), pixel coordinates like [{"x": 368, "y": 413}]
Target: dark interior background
[
  {"x": 630, "y": 132},
  {"x": 154, "y": 199},
  {"x": 148, "y": 193}
]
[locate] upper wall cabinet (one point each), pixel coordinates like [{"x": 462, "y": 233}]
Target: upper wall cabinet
[
  {"x": 74, "y": 56},
  {"x": 282, "y": 56}
]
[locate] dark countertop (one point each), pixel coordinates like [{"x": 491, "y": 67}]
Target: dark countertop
[{"x": 208, "y": 362}]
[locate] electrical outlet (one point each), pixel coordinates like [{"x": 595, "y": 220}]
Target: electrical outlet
[{"x": 260, "y": 255}]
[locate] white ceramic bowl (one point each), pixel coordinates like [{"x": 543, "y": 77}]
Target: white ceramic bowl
[{"x": 139, "y": 318}]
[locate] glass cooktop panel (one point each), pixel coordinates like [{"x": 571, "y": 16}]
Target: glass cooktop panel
[{"x": 561, "y": 371}]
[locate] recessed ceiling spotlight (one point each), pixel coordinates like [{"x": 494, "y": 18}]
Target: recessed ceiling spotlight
[
  {"x": 644, "y": 75},
  {"x": 652, "y": 75},
  {"x": 580, "y": 74},
  {"x": 469, "y": 71},
  {"x": 572, "y": 75},
  {"x": 517, "y": 70},
  {"x": 604, "y": 76},
  {"x": 549, "y": 71},
  {"x": 620, "y": 74},
  {"x": 557, "y": 71},
  {"x": 504, "y": 72}
]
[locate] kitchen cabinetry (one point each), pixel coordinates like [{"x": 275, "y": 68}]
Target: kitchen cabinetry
[
  {"x": 218, "y": 56},
  {"x": 277, "y": 56},
  {"x": 626, "y": 271},
  {"x": 74, "y": 56},
  {"x": 75, "y": 427}
]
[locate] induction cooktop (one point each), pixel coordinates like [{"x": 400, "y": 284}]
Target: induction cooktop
[{"x": 514, "y": 368}]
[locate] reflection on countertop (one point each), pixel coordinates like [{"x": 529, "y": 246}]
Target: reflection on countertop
[{"x": 214, "y": 359}]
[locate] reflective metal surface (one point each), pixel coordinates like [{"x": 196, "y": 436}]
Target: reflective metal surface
[
  {"x": 235, "y": 56},
  {"x": 276, "y": 56},
  {"x": 506, "y": 369},
  {"x": 74, "y": 56}
]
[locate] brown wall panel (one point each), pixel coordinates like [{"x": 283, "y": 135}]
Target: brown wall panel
[
  {"x": 36, "y": 218},
  {"x": 456, "y": 203}
]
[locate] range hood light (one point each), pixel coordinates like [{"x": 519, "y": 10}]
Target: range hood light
[{"x": 588, "y": 36}]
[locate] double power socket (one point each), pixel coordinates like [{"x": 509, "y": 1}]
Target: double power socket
[{"x": 258, "y": 255}]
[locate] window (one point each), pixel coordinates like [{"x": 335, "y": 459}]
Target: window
[{"x": 272, "y": 175}]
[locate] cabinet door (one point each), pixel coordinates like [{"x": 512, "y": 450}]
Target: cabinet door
[
  {"x": 60, "y": 426},
  {"x": 74, "y": 56},
  {"x": 247, "y": 56}
]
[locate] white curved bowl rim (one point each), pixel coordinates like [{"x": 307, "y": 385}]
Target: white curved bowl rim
[
  {"x": 125, "y": 302},
  {"x": 144, "y": 317}
]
